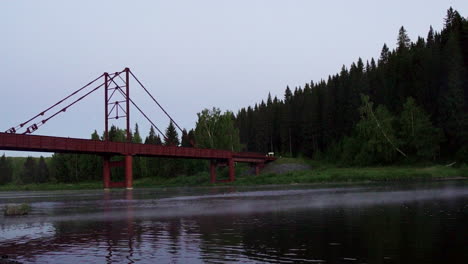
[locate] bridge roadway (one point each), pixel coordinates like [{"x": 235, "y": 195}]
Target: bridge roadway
[{"x": 106, "y": 149}]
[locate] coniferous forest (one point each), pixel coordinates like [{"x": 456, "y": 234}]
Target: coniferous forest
[{"x": 409, "y": 105}]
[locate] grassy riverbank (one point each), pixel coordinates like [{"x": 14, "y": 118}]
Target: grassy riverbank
[{"x": 317, "y": 173}]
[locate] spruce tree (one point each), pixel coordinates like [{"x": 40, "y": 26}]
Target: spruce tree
[
  {"x": 6, "y": 172},
  {"x": 137, "y": 161},
  {"x": 384, "y": 55},
  {"x": 29, "y": 171},
  {"x": 185, "y": 139},
  {"x": 172, "y": 138},
  {"x": 42, "y": 174},
  {"x": 136, "y": 138},
  {"x": 404, "y": 41}
]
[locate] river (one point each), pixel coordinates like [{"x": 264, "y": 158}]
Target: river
[{"x": 367, "y": 223}]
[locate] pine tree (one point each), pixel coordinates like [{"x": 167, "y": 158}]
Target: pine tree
[
  {"x": 42, "y": 174},
  {"x": 384, "y": 55},
  {"x": 29, "y": 171},
  {"x": 186, "y": 139},
  {"x": 452, "y": 115},
  {"x": 151, "y": 167},
  {"x": 6, "y": 172},
  {"x": 432, "y": 71},
  {"x": 136, "y": 138},
  {"x": 404, "y": 41},
  {"x": 172, "y": 138},
  {"x": 430, "y": 37},
  {"x": 95, "y": 136},
  {"x": 171, "y": 167},
  {"x": 117, "y": 135},
  {"x": 152, "y": 138},
  {"x": 287, "y": 95},
  {"x": 137, "y": 161}
]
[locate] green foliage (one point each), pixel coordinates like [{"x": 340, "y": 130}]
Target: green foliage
[
  {"x": 137, "y": 161},
  {"x": 152, "y": 138},
  {"x": 76, "y": 167},
  {"x": 327, "y": 116},
  {"x": 29, "y": 171},
  {"x": 216, "y": 130},
  {"x": 6, "y": 171},
  {"x": 42, "y": 174},
  {"x": 404, "y": 41},
  {"x": 172, "y": 137},
  {"x": 171, "y": 167},
  {"x": 116, "y": 134},
  {"x": 136, "y": 138},
  {"x": 375, "y": 135},
  {"x": 419, "y": 137}
]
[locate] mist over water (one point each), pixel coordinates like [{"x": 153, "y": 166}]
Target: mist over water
[{"x": 340, "y": 224}]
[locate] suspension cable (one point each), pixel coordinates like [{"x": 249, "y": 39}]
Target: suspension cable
[
  {"x": 147, "y": 118},
  {"x": 13, "y": 129},
  {"x": 35, "y": 126},
  {"x": 155, "y": 100}
]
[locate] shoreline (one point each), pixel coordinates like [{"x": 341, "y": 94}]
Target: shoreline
[{"x": 316, "y": 175}]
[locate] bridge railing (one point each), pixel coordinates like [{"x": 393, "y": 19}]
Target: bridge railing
[{"x": 75, "y": 145}]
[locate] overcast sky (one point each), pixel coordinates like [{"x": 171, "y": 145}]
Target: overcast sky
[{"x": 190, "y": 54}]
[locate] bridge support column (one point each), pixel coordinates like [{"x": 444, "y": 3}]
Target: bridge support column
[
  {"x": 232, "y": 172},
  {"x": 257, "y": 167},
  {"x": 213, "y": 165},
  {"x": 106, "y": 172},
  {"x": 129, "y": 172}
]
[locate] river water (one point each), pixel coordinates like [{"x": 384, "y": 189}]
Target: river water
[{"x": 370, "y": 223}]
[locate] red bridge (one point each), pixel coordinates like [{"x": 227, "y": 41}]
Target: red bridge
[{"x": 12, "y": 140}]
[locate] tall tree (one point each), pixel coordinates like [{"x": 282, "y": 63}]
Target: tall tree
[
  {"x": 136, "y": 138},
  {"x": 419, "y": 137},
  {"x": 29, "y": 171},
  {"x": 6, "y": 172},
  {"x": 42, "y": 174},
  {"x": 216, "y": 130},
  {"x": 404, "y": 41},
  {"x": 376, "y": 131},
  {"x": 172, "y": 137},
  {"x": 432, "y": 71},
  {"x": 137, "y": 161}
]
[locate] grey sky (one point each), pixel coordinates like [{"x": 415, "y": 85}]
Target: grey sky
[{"x": 190, "y": 54}]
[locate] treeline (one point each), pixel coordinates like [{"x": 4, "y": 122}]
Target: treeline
[
  {"x": 409, "y": 105},
  {"x": 22, "y": 170},
  {"x": 213, "y": 130}
]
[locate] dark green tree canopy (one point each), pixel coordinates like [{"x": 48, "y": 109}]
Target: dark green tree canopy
[
  {"x": 172, "y": 138},
  {"x": 325, "y": 114}
]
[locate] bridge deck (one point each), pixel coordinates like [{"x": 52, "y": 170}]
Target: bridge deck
[{"x": 21, "y": 142}]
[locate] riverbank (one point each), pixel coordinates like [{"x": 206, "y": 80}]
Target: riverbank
[{"x": 298, "y": 171}]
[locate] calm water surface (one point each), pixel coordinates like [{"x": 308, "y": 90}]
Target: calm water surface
[{"x": 410, "y": 223}]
